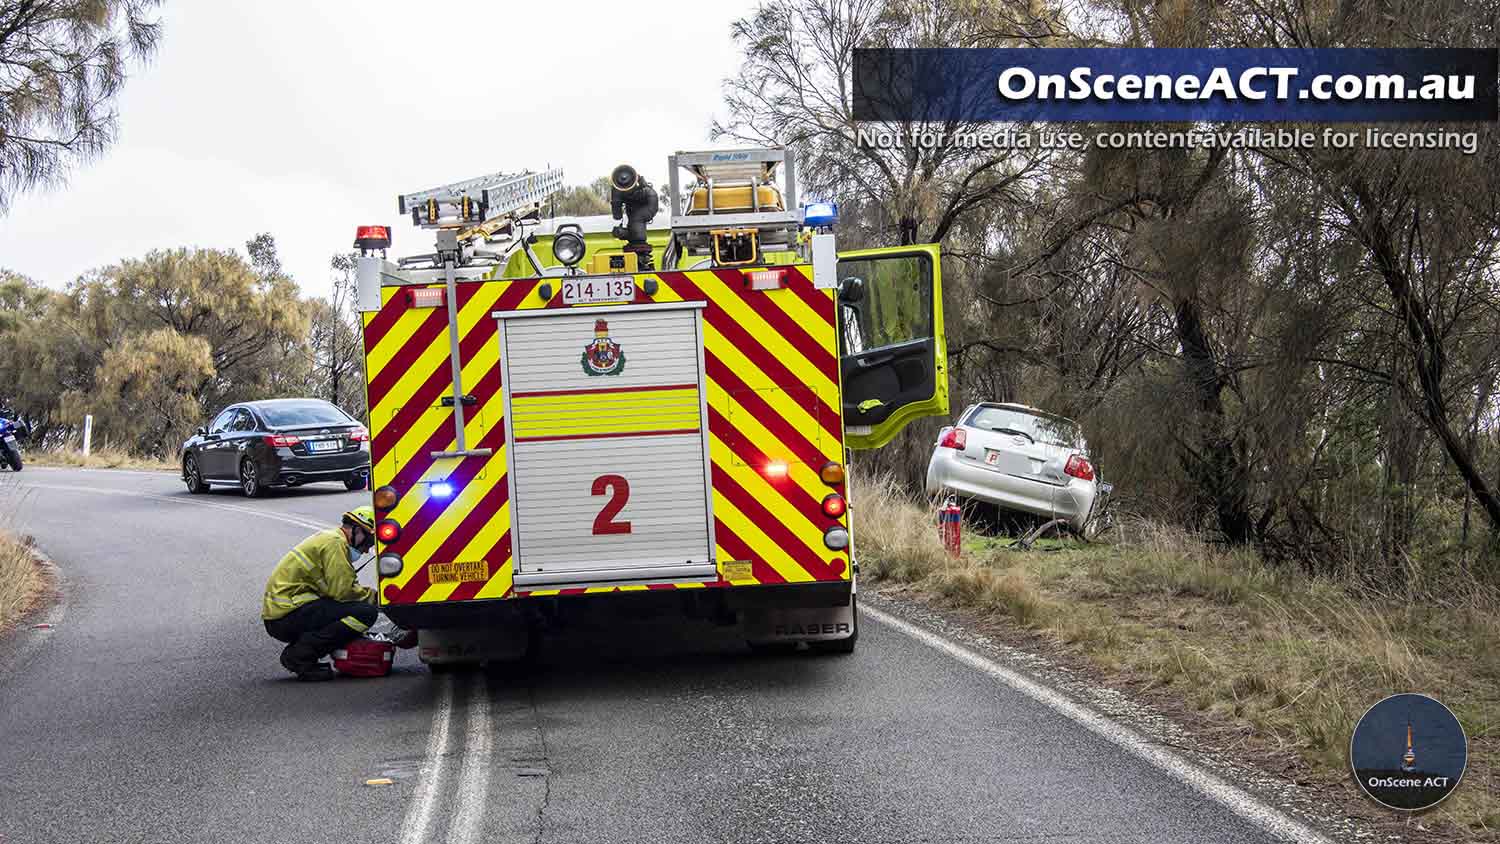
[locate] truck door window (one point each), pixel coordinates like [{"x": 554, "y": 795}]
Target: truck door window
[{"x": 884, "y": 302}]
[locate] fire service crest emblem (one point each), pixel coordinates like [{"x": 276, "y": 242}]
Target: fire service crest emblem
[{"x": 602, "y": 356}]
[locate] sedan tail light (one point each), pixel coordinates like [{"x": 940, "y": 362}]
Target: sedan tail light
[
  {"x": 955, "y": 438},
  {"x": 1080, "y": 467},
  {"x": 359, "y": 435},
  {"x": 283, "y": 440}
]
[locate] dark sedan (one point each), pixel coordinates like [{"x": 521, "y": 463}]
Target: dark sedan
[{"x": 277, "y": 442}]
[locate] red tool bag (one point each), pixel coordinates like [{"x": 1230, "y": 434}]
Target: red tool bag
[{"x": 364, "y": 658}]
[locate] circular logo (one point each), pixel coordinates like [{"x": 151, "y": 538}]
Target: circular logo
[{"x": 1408, "y": 752}]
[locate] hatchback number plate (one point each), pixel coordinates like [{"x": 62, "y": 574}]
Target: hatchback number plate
[
  {"x": 591, "y": 289},
  {"x": 322, "y": 445}
]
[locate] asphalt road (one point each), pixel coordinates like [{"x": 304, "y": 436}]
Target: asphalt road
[{"x": 155, "y": 711}]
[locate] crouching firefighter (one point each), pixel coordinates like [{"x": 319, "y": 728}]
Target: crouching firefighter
[{"x": 314, "y": 601}]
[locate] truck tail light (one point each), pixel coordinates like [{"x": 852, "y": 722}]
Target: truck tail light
[
  {"x": 832, "y": 473},
  {"x": 833, "y": 505},
  {"x": 836, "y": 538},
  {"x": 386, "y": 498},
  {"x": 283, "y": 440},
  {"x": 389, "y": 530},
  {"x": 955, "y": 438},
  {"x": 425, "y": 297},
  {"x": 775, "y": 469},
  {"x": 389, "y": 565},
  {"x": 1080, "y": 467},
  {"x": 766, "y": 279}
]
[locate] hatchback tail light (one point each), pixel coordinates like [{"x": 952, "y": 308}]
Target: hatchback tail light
[
  {"x": 955, "y": 438},
  {"x": 283, "y": 440},
  {"x": 1080, "y": 467}
]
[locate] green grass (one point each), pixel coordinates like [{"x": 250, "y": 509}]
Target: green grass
[{"x": 1290, "y": 662}]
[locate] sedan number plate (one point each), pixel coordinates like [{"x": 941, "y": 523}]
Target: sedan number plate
[
  {"x": 468, "y": 571},
  {"x": 991, "y": 457},
  {"x": 323, "y": 445},
  {"x": 588, "y": 290}
]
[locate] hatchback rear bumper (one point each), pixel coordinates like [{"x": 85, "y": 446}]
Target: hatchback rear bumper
[{"x": 949, "y": 473}]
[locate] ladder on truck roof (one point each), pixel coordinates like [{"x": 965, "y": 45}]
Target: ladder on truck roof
[
  {"x": 463, "y": 213},
  {"x": 480, "y": 206}
]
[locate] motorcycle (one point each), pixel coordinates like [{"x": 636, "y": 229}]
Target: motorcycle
[{"x": 11, "y": 432}]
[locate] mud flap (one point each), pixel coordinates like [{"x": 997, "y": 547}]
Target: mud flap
[
  {"x": 498, "y": 643},
  {"x": 801, "y": 624}
]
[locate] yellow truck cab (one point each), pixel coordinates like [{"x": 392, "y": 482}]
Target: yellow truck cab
[{"x": 656, "y": 405}]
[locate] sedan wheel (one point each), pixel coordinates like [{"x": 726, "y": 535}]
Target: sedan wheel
[
  {"x": 192, "y": 477},
  {"x": 250, "y": 479}
]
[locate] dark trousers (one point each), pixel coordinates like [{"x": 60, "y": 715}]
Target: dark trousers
[{"x": 318, "y": 628}]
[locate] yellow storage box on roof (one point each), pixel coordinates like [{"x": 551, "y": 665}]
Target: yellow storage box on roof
[{"x": 734, "y": 199}]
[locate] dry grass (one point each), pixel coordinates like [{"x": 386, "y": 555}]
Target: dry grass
[
  {"x": 22, "y": 583},
  {"x": 100, "y": 458},
  {"x": 1291, "y": 662}
]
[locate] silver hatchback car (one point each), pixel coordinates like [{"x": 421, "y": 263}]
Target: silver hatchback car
[{"x": 1021, "y": 459}]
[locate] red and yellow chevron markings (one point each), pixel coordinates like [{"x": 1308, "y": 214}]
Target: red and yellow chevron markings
[{"x": 771, "y": 373}]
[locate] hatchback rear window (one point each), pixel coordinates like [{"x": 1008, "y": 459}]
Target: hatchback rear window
[
  {"x": 304, "y": 413},
  {"x": 1053, "y": 430}
]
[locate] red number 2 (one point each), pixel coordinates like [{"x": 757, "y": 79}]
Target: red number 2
[{"x": 604, "y": 522}]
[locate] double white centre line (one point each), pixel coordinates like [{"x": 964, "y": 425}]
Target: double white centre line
[
  {"x": 474, "y": 776},
  {"x": 466, "y": 818}
]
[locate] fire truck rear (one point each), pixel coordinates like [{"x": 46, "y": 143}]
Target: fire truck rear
[{"x": 570, "y": 412}]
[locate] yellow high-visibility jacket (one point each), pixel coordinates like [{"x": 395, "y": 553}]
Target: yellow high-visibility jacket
[{"x": 317, "y": 568}]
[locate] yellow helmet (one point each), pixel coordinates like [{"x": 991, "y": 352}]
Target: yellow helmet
[{"x": 362, "y": 516}]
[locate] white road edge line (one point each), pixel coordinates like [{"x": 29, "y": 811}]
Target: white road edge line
[
  {"x": 1229, "y": 796},
  {"x": 474, "y": 781},
  {"x": 424, "y": 799},
  {"x": 474, "y": 776}
]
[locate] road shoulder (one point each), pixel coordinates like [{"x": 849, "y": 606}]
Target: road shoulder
[
  {"x": 1331, "y": 807},
  {"x": 24, "y": 635}
]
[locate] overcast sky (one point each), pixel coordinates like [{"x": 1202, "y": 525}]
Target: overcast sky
[{"x": 307, "y": 119}]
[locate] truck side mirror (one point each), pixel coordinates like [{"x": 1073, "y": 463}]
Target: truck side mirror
[{"x": 852, "y": 290}]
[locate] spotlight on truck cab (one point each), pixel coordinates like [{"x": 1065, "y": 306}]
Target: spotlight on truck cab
[{"x": 568, "y": 245}]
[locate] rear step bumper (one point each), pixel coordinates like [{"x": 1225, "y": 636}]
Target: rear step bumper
[{"x": 704, "y": 602}]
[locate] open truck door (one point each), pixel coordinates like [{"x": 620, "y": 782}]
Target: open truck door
[{"x": 892, "y": 356}]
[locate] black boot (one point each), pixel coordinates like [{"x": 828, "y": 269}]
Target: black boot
[{"x": 301, "y": 660}]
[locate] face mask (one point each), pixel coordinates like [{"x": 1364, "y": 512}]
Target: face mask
[{"x": 352, "y": 552}]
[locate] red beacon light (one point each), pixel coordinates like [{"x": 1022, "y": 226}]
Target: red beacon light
[{"x": 369, "y": 238}]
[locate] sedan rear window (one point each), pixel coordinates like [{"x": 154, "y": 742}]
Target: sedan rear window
[
  {"x": 303, "y": 413},
  {"x": 1053, "y": 430}
]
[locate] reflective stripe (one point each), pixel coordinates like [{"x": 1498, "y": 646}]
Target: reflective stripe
[{"x": 355, "y": 624}]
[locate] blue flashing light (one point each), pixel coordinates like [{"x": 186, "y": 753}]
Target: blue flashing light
[
  {"x": 441, "y": 489},
  {"x": 820, "y": 214}
]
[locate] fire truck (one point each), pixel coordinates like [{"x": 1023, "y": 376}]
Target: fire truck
[{"x": 653, "y": 406}]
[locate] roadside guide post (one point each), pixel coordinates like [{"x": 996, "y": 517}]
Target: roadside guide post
[{"x": 88, "y": 432}]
